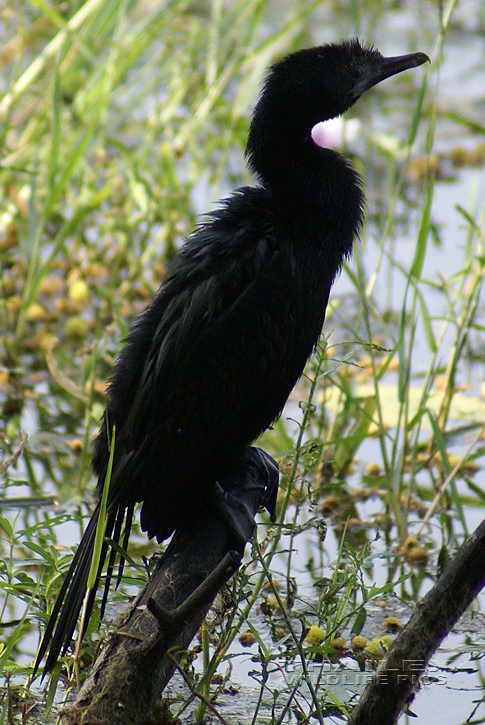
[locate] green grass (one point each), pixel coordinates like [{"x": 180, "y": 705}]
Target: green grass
[{"x": 119, "y": 123}]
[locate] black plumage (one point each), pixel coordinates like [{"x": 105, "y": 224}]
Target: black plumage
[{"x": 211, "y": 362}]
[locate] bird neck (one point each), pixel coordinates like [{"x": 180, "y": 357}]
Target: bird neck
[{"x": 321, "y": 192}]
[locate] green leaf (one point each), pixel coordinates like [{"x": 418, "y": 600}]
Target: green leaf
[{"x": 420, "y": 253}]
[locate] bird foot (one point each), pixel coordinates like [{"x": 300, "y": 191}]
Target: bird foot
[{"x": 234, "y": 494}]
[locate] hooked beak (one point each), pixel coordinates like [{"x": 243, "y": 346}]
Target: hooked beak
[{"x": 389, "y": 67}]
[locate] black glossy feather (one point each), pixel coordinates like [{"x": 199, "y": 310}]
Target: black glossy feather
[{"x": 211, "y": 362}]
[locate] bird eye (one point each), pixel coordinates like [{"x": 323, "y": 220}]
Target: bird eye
[{"x": 355, "y": 73}]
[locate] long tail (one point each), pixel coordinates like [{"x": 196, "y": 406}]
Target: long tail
[{"x": 62, "y": 622}]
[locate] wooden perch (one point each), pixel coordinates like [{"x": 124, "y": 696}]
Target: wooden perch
[
  {"x": 398, "y": 676},
  {"x": 133, "y": 668}
]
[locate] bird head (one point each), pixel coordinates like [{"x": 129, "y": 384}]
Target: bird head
[{"x": 309, "y": 86}]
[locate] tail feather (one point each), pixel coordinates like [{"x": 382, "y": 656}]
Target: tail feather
[
  {"x": 66, "y": 608},
  {"x": 118, "y": 523},
  {"x": 127, "y": 516},
  {"x": 65, "y": 614}
]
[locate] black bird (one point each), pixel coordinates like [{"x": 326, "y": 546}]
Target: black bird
[{"x": 211, "y": 362}]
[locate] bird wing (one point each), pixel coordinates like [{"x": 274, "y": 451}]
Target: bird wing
[{"x": 212, "y": 363}]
